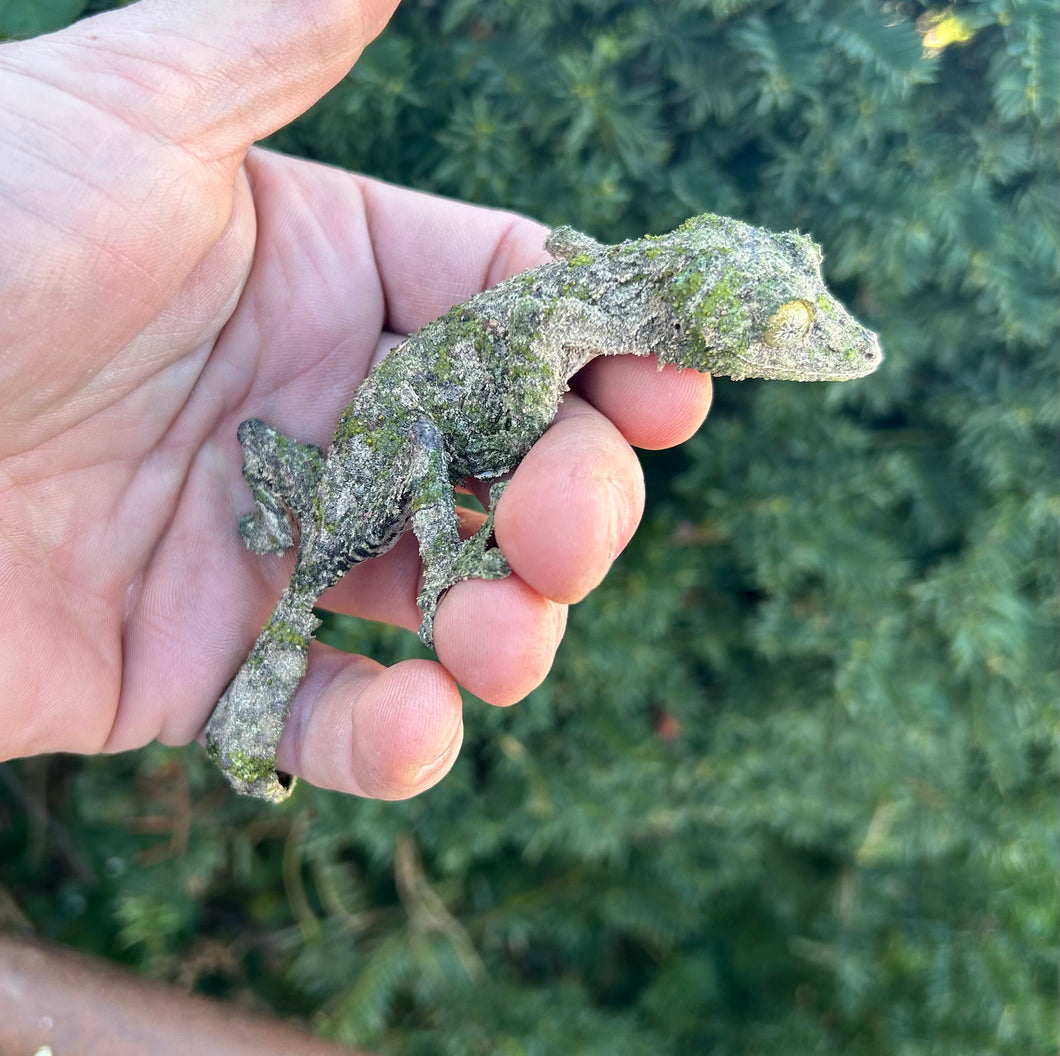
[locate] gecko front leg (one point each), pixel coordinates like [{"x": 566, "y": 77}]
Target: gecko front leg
[
  {"x": 283, "y": 475},
  {"x": 447, "y": 559},
  {"x": 564, "y": 243}
]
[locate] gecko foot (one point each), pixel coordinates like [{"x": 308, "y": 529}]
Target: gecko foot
[
  {"x": 283, "y": 475},
  {"x": 474, "y": 559}
]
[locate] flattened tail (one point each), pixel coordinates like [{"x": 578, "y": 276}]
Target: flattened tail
[{"x": 248, "y": 721}]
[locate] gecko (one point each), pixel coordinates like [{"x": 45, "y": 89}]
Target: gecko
[{"x": 467, "y": 395}]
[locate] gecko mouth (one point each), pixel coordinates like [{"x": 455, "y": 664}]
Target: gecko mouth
[
  {"x": 869, "y": 359},
  {"x": 857, "y": 364}
]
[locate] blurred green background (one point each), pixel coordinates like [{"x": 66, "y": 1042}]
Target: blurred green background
[{"x": 792, "y": 786}]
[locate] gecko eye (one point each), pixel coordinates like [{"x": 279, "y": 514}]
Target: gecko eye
[{"x": 790, "y": 323}]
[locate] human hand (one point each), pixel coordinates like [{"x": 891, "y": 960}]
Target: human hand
[{"x": 161, "y": 283}]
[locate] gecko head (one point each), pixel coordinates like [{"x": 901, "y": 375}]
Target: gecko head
[{"x": 757, "y": 307}]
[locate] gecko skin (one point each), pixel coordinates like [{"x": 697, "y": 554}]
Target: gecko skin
[{"x": 469, "y": 394}]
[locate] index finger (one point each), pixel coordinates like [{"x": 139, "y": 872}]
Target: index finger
[{"x": 432, "y": 252}]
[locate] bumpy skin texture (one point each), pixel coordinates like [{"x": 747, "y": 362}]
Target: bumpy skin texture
[{"x": 470, "y": 393}]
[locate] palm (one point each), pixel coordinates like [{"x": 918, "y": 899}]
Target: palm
[
  {"x": 126, "y": 471},
  {"x": 169, "y": 286}
]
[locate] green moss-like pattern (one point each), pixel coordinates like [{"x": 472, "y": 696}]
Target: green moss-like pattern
[{"x": 281, "y": 631}]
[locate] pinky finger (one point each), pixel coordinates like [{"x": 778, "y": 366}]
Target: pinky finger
[{"x": 368, "y": 730}]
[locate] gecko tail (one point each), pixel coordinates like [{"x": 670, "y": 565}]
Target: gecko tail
[{"x": 246, "y": 725}]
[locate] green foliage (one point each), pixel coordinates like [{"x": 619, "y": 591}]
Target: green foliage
[
  {"x": 792, "y": 786},
  {"x": 27, "y": 18}
]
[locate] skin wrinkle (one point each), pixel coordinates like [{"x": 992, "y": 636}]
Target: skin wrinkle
[
  {"x": 152, "y": 613},
  {"x": 52, "y": 555},
  {"x": 184, "y": 94},
  {"x": 146, "y": 391},
  {"x": 292, "y": 289},
  {"x": 132, "y": 356},
  {"x": 622, "y": 519},
  {"x": 372, "y": 208},
  {"x": 497, "y": 268},
  {"x": 98, "y": 187},
  {"x": 210, "y": 85},
  {"x": 123, "y": 117},
  {"x": 17, "y": 542},
  {"x": 154, "y": 390},
  {"x": 75, "y": 604},
  {"x": 180, "y": 452},
  {"x": 132, "y": 359},
  {"x": 338, "y": 345},
  {"x": 129, "y": 506},
  {"x": 47, "y": 219},
  {"x": 375, "y": 196},
  {"x": 618, "y": 522},
  {"x": 350, "y": 382},
  {"x": 33, "y": 508},
  {"x": 365, "y": 190},
  {"x": 393, "y": 715},
  {"x": 438, "y": 766}
]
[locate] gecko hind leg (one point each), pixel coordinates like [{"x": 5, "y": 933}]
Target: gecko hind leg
[
  {"x": 447, "y": 559},
  {"x": 283, "y": 476}
]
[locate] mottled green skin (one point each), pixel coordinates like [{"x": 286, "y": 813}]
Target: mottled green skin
[{"x": 470, "y": 393}]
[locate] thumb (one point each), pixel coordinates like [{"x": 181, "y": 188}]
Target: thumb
[
  {"x": 126, "y": 132},
  {"x": 214, "y": 77}
]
